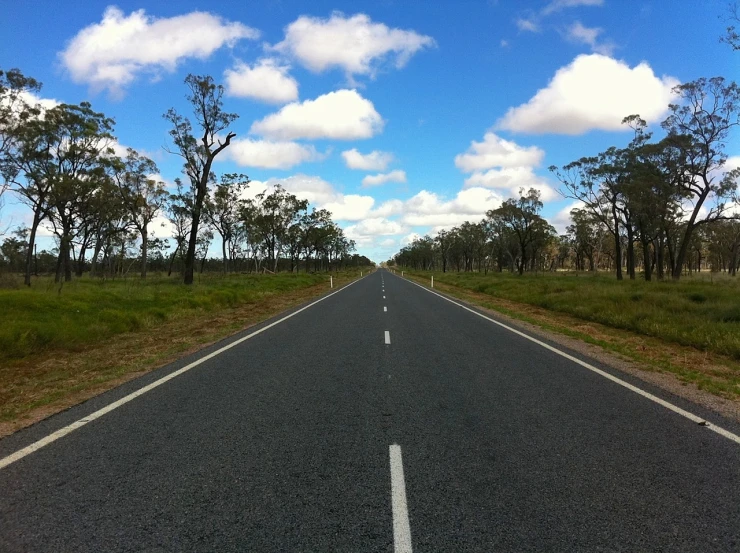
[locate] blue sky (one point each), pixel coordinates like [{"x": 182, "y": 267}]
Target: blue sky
[{"x": 439, "y": 112}]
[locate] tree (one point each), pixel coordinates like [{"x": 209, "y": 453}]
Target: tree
[
  {"x": 699, "y": 128},
  {"x": 223, "y": 210},
  {"x": 276, "y": 213},
  {"x": 522, "y": 218},
  {"x": 179, "y": 212},
  {"x": 198, "y": 154},
  {"x": 732, "y": 37},
  {"x": 141, "y": 196},
  {"x": 15, "y": 88}
]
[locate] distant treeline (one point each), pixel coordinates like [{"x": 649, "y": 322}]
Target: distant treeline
[
  {"x": 663, "y": 208},
  {"x": 60, "y": 162}
]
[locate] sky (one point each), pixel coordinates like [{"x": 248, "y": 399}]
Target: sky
[{"x": 402, "y": 117}]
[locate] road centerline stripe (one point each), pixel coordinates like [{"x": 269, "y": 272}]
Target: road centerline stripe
[
  {"x": 387, "y": 337},
  {"x": 385, "y": 309},
  {"x": 35, "y": 446},
  {"x": 401, "y": 525},
  {"x": 675, "y": 408}
]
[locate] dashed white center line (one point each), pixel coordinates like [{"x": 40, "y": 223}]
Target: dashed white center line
[
  {"x": 387, "y": 337},
  {"x": 401, "y": 525},
  {"x": 383, "y": 297},
  {"x": 385, "y": 309}
]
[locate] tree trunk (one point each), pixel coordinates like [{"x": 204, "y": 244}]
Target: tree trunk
[
  {"x": 144, "y": 249},
  {"x": 172, "y": 259},
  {"x": 197, "y": 208},
  {"x": 617, "y": 243},
  {"x": 31, "y": 243},
  {"x": 630, "y": 252},
  {"x": 223, "y": 251},
  {"x": 646, "y": 258}
]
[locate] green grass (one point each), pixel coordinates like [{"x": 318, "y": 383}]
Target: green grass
[
  {"x": 702, "y": 312},
  {"x": 86, "y": 311}
]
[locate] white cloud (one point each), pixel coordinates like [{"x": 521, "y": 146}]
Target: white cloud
[
  {"x": 354, "y": 44},
  {"x": 33, "y": 100},
  {"x": 112, "y": 53},
  {"x": 562, "y": 218},
  {"x": 339, "y": 115},
  {"x": 429, "y": 209},
  {"x": 266, "y": 81},
  {"x": 593, "y": 92},
  {"x": 494, "y": 151},
  {"x": 375, "y": 226},
  {"x": 557, "y": 5},
  {"x": 510, "y": 167},
  {"x": 528, "y": 25},
  {"x": 406, "y": 240},
  {"x": 374, "y": 161},
  {"x": 382, "y": 178},
  {"x": 388, "y": 243},
  {"x": 511, "y": 180},
  {"x": 267, "y": 154},
  {"x": 581, "y": 34},
  {"x": 351, "y": 207},
  {"x": 388, "y": 208}
]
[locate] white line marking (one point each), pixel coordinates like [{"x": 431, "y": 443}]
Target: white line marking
[
  {"x": 13, "y": 457},
  {"x": 383, "y": 297},
  {"x": 387, "y": 337},
  {"x": 693, "y": 418},
  {"x": 385, "y": 309},
  {"x": 401, "y": 526}
]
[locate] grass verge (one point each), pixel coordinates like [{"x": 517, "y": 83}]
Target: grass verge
[
  {"x": 592, "y": 316},
  {"x": 93, "y": 336}
]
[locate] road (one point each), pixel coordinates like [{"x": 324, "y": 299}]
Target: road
[{"x": 382, "y": 418}]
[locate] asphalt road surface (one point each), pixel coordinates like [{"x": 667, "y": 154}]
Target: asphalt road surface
[{"x": 382, "y": 418}]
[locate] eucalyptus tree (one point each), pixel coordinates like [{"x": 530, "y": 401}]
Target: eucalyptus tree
[
  {"x": 520, "y": 216},
  {"x": 141, "y": 195},
  {"x": 276, "y": 212},
  {"x": 15, "y": 112},
  {"x": 179, "y": 211},
  {"x": 223, "y": 208},
  {"x": 198, "y": 154},
  {"x": 699, "y": 128}
]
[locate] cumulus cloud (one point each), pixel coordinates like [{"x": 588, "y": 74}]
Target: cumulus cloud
[
  {"x": 581, "y": 34},
  {"x": 266, "y": 81},
  {"x": 339, "y": 115},
  {"x": 267, "y": 154},
  {"x": 382, "y": 178},
  {"x": 375, "y": 226},
  {"x": 593, "y": 92},
  {"x": 355, "y": 44},
  {"x": 511, "y": 180},
  {"x": 494, "y": 151},
  {"x": 558, "y": 5},
  {"x": 430, "y": 209},
  {"x": 111, "y": 54},
  {"x": 374, "y": 161},
  {"x": 510, "y": 167}
]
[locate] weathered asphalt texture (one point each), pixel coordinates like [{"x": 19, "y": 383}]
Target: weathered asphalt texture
[{"x": 281, "y": 444}]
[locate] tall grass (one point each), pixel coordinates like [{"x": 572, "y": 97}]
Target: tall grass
[
  {"x": 701, "y": 311},
  {"x": 47, "y": 317}
]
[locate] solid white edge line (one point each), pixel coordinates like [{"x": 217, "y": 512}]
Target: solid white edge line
[
  {"x": 401, "y": 525},
  {"x": 694, "y": 418},
  {"x": 35, "y": 446},
  {"x": 387, "y": 337}
]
